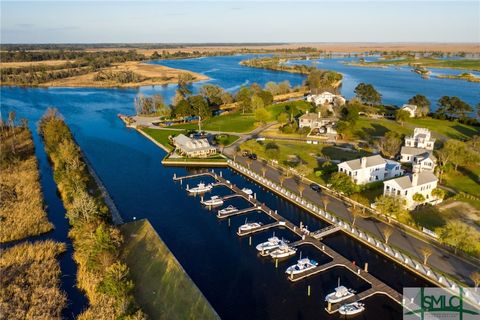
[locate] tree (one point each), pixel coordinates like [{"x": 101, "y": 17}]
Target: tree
[
  {"x": 262, "y": 115},
  {"x": 256, "y": 103},
  {"x": 243, "y": 98},
  {"x": 283, "y": 118},
  {"x": 422, "y": 103},
  {"x": 249, "y": 162},
  {"x": 475, "y": 276},
  {"x": 282, "y": 179},
  {"x": 401, "y": 116},
  {"x": 301, "y": 188},
  {"x": 453, "y": 151},
  {"x": 179, "y": 96},
  {"x": 390, "y": 144},
  {"x": 343, "y": 183},
  {"x": 426, "y": 253},
  {"x": 272, "y": 151},
  {"x": 438, "y": 193},
  {"x": 390, "y": 206},
  {"x": 213, "y": 94},
  {"x": 272, "y": 87},
  {"x": 343, "y": 128},
  {"x": 159, "y": 106},
  {"x": 284, "y": 87},
  {"x": 182, "y": 109},
  {"x": 418, "y": 197},
  {"x": 387, "y": 233},
  {"x": 199, "y": 106},
  {"x": 367, "y": 94},
  {"x": 264, "y": 170},
  {"x": 455, "y": 234},
  {"x": 266, "y": 97},
  {"x": 356, "y": 212},
  {"x": 452, "y": 107},
  {"x": 325, "y": 201}
]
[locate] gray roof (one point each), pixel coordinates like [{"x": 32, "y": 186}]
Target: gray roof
[
  {"x": 418, "y": 152},
  {"x": 405, "y": 182},
  {"x": 309, "y": 116},
  {"x": 187, "y": 144},
  {"x": 371, "y": 162}
]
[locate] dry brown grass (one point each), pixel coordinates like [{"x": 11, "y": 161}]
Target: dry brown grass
[
  {"x": 30, "y": 281},
  {"x": 21, "y": 201},
  {"x": 32, "y": 63},
  {"x": 153, "y": 75}
]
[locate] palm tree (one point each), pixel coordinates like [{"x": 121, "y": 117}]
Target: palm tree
[
  {"x": 426, "y": 253},
  {"x": 387, "y": 233}
]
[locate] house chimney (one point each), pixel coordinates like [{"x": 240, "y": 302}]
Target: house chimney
[
  {"x": 415, "y": 179},
  {"x": 363, "y": 162},
  {"x": 319, "y": 114}
]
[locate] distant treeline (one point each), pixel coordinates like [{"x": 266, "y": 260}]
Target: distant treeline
[
  {"x": 96, "y": 242},
  {"x": 110, "y": 56}
]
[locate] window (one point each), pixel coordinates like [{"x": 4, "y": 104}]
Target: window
[{"x": 406, "y": 192}]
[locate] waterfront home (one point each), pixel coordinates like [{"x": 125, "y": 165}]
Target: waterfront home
[
  {"x": 326, "y": 98},
  {"x": 370, "y": 169},
  {"x": 421, "y": 138},
  {"x": 421, "y": 159},
  {"x": 407, "y": 186},
  {"x": 315, "y": 121},
  {"x": 410, "y": 108},
  {"x": 193, "y": 148}
]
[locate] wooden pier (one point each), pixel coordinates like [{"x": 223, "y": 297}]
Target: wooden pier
[{"x": 307, "y": 238}]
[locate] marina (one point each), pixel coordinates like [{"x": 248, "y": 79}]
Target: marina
[{"x": 284, "y": 249}]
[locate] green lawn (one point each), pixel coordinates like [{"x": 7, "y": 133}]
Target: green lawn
[
  {"x": 464, "y": 180},
  {"x": 161, "y": 136},
  {"x": 434, "y": 63},
  {"x": 226, "y": 139},
  {"x": 162, "y": 288},
  {"x": 441, "y": 129}
]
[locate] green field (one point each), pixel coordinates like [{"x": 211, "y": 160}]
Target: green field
[
  {"x": 226, "y": 139},
  {"x": 161, "y": 136},
  {"x": 429, "y": 62},
  {"x": 464, "y": 180},
  {"x": 241, "y": 123},
  {"x": 162, "y": 288},
  {"x": 441, "y": 129}
]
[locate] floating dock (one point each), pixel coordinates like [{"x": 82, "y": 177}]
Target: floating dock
[{"x": 307, "y": 238}]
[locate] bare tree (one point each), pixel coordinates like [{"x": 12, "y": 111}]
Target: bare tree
[
  {"x": 249, "y": 162},
  {"x": 326, "y": 201},
  {"x": 387, "y": 233},
  {"x": 301, "y": 188},
  {"x": 356, "y": 212},
  {"x": 282, "y": 178},
  {"x": 475, "y": 276},
  {"x": 426, "y": 253},
  {"x": 264, "y": 170}
]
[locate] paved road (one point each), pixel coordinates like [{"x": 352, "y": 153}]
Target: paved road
[{"x": 440, "y": 259}]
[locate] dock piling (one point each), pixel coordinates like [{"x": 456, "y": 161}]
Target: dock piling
[
  {"x": 276, "y": 263},
  {"x": 188, "y": 188},
  {"x": 250, "y": 240},
  {"x": 229, "y": 222},
  {"x": 308, "y": 290},
  {"x": 366, "y": 267}
]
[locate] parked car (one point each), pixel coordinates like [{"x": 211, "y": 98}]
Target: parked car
[
  {"x": 253, "y": 156},
  {"x": 315, "y": 187}
]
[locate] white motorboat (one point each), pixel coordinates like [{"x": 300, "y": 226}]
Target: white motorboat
[
  {"x": 247, "y": 191},
  {"x": 200, "y": 188},
  {"x": 249, "y": 226},
  {"x": 351, "y": 308},
  {"x": 213, "y": 201},
  {"x": 283, "y": 251},
  {"x": 341, "y": 293},
  {"x": 227, "y": 210},
  {"x": 302, "y": 265},
  {"x": 271, "y": 243}
]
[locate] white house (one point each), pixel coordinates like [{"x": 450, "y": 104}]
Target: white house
[
  {"x": 370, "y": 169},
  {"x": 315, "y": 121},
  {"x": 326, "y": 98},
  {"x": 421, "y": 159},
  {"x": 421, "y": 139},
  {"x": 198, "y": 148},
  {"x": 407, "y": 186},
  {"x": 410, "y": 108}
]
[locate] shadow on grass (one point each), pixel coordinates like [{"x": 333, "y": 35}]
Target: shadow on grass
[
  {"x": 465, "y": 131},
  {"x": 429, "y": 217}
]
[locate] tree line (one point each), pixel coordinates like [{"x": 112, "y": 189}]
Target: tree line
[{"x": 101, "y": 273}]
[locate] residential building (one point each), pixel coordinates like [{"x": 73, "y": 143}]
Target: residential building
[
  {"x": 315, "y": 121},
  {"x": 410, "y": 108},
  {"x": 421, "y": 159},
  {"x": 326, "y": 98},
  {"x": 370, "y": 169},
  {"x": 193, "y": 148},
  {"x": 409, "y": 185},
  {"x": 421, "y": 139}
]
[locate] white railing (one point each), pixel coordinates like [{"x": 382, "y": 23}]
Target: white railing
[{"x": 379, "y": 244}]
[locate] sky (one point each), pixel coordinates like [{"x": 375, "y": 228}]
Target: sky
[{"x": 234, "y": 21}]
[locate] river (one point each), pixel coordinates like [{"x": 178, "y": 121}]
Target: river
[{"x": 238, "y": 283}]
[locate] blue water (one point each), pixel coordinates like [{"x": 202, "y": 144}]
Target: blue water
[
  {"x": 238, "y": 283},
  {"x": 398, "y": 84}
]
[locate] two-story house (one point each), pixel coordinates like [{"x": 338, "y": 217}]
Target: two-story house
[
  {"x": 326, "y": 98},
  {"x": 370, "y": 169},
  {"x": 418, "y": 151},
  {"x": 409, "y": 185}
]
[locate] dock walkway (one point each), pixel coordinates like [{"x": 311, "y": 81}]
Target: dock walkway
[{"x": 313, "y": 238}]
